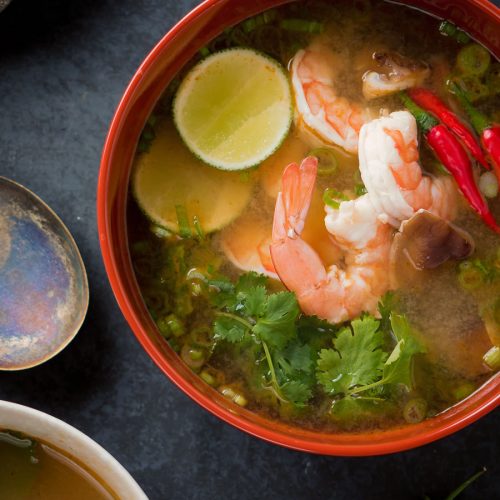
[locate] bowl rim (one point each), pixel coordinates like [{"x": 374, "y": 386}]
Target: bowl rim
[
  {"x": 487, "y": 397},
  {"x": 71, "y": 441}
]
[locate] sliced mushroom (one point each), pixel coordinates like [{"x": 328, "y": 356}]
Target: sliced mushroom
[
  {"x": 425, "y": 241},
  {"x": 399, "y": 73}
]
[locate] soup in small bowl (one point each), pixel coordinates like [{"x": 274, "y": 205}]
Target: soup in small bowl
[
  {"x": 43, "y": 457},
  {"x": 298, "y": 210}
]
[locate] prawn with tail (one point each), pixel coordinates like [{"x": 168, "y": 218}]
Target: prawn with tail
[
  {"x": 363, "y": 228},
  {"x": 337, "y": 293}
]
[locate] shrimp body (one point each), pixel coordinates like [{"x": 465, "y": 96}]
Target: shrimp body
[
  {"x": 319, "y": 109},
  {"x": 343, "y": 290},
  {"x": 393, "y": 177},
  {"x": 362, "y": 228}
]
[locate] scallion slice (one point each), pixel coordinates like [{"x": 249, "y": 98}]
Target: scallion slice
[{"x": 183, "y": 221}]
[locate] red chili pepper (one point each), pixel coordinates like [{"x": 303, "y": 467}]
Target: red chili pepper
[
  {"x": 454, "y": 157},
  {"x": 433, "y": 104},
  {"x": 489, "y": 132}
]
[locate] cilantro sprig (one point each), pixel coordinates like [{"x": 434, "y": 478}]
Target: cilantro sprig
[
  {"x": 358, "y": 365},
  {"x": 367, "y": 356},
  {"x": 247, "y": 311}
]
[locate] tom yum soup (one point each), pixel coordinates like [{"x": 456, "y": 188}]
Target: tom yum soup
[
  {"x": 32, "y": 469},
  {"x": 314, "y": 215}
]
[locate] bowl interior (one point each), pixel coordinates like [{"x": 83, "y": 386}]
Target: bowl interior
[
  {"x": 480, "y": 18},
  {"x": 74, "y": 443}
]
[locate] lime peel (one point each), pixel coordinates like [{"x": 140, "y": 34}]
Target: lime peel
[{"x": 234, "y": 108}]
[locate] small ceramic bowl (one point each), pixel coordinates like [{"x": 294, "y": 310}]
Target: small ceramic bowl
[
  {"x": 73, "y": 443},
  {"x": 479, "y": 17}
]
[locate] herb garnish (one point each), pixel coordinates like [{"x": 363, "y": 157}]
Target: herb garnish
[
  {"x": 247, "y": 311},
  {"x": 358, "y": 367},
  {"x": 293, "y": 345}
]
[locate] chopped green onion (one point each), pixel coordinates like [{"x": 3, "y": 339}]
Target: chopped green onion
[
  {"x": 327, "y": 160},
  {"x": 163, "y": 327},
  {"x": 470, "y": 86},
  {"x": 463, "y": 390},
  {"x": 160, "y": 232},
  {"x": 208, "y": 377},
  {"x": 360, "y": 189},
  {"x": 473, "y": 59},
  {"x": 470, "y": 276},
  {"x": 415, "y": 410},
  {"x": 204, "y": 52},
  {"x": 198, "y": 228},
  {"x": 488, "y": 184},
  {"x": 202, "y": 336},
  {"x": 260, "y": 20},
  {"x": 195, "y": 354},
  {"x": 175, "y": 325},
  {"x": 332, "y": 197},
  {"x": 170, "y": 325},
  {"x": 193, "y": 357},
  {"x": 492, "y": 358},
  {"x": 449, "y": 29},
  {"x": 230, "y": 393},
  {"x": 183, "y": 221},
  {"x": 302, "y": 26}
]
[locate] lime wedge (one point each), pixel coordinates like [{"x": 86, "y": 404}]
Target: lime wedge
[
  {"x": 169, "y": 176},
  {"x": 234, "y": 108}
]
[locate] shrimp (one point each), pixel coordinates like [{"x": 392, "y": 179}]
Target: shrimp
[
  {"x": 339, "y": 292},
  {"x": 362, "y": 228},
  {"x": 396, "y": 185},
  {"x": 319, "y": 110}
]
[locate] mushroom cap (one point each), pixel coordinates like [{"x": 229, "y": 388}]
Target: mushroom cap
[{"x": 425, "y": 241}]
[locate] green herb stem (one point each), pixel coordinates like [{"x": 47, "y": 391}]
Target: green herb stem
[
  {"x": 274, "y": 380},
  {"x": 244, "y": 322},
  {"x": 183, "y": 221},
  {"x": 465, "y": 484}
]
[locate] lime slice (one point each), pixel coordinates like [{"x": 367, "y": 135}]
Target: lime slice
[
  {"x": 169, "y": 177},
  {"x": 234, "y": 108}
]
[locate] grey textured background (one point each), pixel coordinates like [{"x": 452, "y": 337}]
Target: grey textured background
[{"x": 63, "y": 67}]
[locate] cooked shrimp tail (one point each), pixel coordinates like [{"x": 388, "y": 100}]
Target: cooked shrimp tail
[{"x": 333, "y": 294}]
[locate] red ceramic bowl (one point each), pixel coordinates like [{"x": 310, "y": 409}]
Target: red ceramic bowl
[{"x": 479, "y": 17}]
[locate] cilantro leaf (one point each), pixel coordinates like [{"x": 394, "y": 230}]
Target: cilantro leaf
[
  {"x": 277, "y": 326},
  {"x": 248, "y": 281},
  {"x": 230, "y": 329},
  {"x": 222, "y": 294},
  {"x": 398, "y": 366},
  {"x": 298, "y": 357},
  {"x": 318, "y": 333},
  {"x": 296, "y": 392},
  {"x": 254, "y": 301},
  {"x": 357, "y": 359}
]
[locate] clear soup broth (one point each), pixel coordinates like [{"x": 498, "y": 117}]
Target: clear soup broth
[
  {"x": 418, "y": 345},
  {"x": 33, "y": 469}
]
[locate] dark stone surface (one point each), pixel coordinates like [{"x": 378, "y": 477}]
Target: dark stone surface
[{"x": 63, "y": 67}]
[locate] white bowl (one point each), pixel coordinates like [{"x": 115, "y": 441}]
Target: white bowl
[{"x": 71, "y": 441}]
